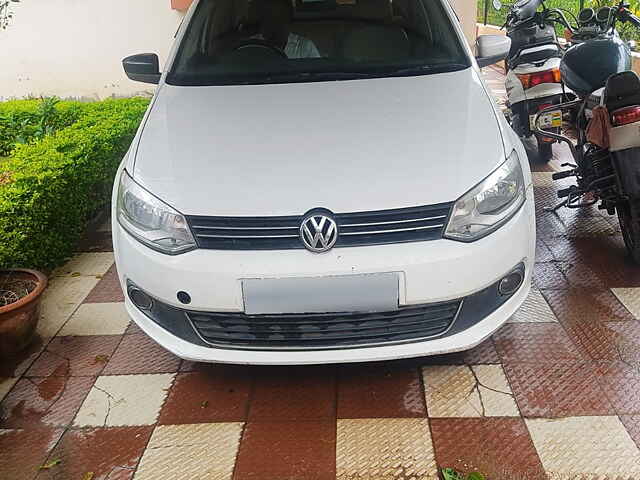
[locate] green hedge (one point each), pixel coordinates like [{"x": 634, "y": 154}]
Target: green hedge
[
  {"x": 51, "y": 187},
  {"x": 23, "y": 121},
  {"x": 627, "y": 31}
]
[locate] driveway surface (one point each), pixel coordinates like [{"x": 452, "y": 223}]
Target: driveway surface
[{"x": 554, "y": 394}]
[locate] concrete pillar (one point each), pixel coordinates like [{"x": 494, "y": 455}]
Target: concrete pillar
[{"x": 467, "y": 11}]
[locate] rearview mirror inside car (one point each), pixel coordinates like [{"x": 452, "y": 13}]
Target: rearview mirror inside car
[
  {"x": 143, "y": 67},
  {"x": 492, "y": 49}
]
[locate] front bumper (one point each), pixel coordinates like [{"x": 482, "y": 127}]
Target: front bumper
[{"x": 431, "y": 272}]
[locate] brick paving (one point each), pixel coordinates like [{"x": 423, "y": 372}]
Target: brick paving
[{"x": 553, "y": 394}]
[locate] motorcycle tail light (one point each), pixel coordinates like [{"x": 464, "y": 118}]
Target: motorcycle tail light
[
  {"x": 548, "y": 76},
  {"x": 625, "y": 116}
]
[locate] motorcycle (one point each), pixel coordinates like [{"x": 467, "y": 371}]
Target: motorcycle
[
  {"x": 533, "y": 80},
  {"x": 607, "y": 110}
]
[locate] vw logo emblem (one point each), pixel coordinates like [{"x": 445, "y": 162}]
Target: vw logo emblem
[{"x": 319, "y": 232}]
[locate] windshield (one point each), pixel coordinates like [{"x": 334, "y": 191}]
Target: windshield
[{"x": 236, "y": 42}]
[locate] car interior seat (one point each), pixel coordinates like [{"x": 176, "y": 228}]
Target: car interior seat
[{"x": 379, "y": 41}]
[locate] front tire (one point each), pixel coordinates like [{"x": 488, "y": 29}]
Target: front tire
[{"x": 629, "y": 218}]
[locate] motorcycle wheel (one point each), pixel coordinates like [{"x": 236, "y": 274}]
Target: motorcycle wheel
[
  {"x": 545, "y": 151},
  {"x": 629, "y": 218}
]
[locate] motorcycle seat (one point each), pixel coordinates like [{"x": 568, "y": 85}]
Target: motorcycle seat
[
  {"x": 535, "y": 55},
  {"x": 622, "y": 90}
]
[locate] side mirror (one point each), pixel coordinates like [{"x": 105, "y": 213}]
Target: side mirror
[
  {"x": 497, "y": 4},
  {"x": 492, "y": 49},
  {"x": 144, "y": 67}
]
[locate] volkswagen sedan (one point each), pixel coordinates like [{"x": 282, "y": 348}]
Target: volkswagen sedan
[{"x": 322, "y": 181}]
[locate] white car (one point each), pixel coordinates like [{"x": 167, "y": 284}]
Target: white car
[{"x": 322, "y": 181}]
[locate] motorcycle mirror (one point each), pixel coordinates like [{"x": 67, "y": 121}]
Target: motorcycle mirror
[{"x": 497, "y": 4}]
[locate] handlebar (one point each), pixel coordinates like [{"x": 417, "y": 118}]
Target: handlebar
[{"x": 633, "y": 19}]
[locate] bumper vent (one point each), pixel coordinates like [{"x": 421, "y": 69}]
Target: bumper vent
[
  {"x": 355, "y": 229},
  {"x": 326, "y": 330}
]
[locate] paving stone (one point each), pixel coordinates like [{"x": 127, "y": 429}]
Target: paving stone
[
  {"x": 468, "y": 391},
  {"x": 140, "y": 354},
  {"x": 630, "y": 298},
  {"x": 273, "y": 450},
  {"x": 384, "y": 449},
  {"x": 60, "y": 300},
  {"x": 6, "y": 384},
  {"x": 500, "y": 448},
  {"x": 108, "y": 453},
  {"x": 293, "y": 393},
  {"x": 379, "y": 392},
  {"x": 485, "y": 353},
  {"x": 607, "y": 340},
  {"x": 98, "y": 319},
  {"x": 16, "y": 366},
  {"x": 535, "y": 309},
  {"x": 124, "y": 400},
  {"x": 585, "y": 447},
  {"x": 575, "y": 306},
  {"x": 191, "y": 452},
  {"x": 22, "y": 452},
  {"x": 548, "y": 275},
  {"x": 535, "y": 342},
  {"x": 557, "y": 389},
  {"x": 605, "y": 256},
  {"x": 36, "y": 402},
  {"x": 75, "y": 356},
  {"x": 86, "y": 264},
  {"x": 632, "y": 425},
  {"x": 206, "y": 397},
  {"x": 108, "y": 289},
  {"x": 132, "y": 329},
  {"x": 621, "y": 384}
]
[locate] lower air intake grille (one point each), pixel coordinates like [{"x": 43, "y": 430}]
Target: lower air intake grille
[
  {"x": 324, "y": 330},
  {"x": 414, "y": 224}
]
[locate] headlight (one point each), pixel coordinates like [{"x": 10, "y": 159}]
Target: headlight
[
  {"x": 150, "y": 220},
  {"x": 489, "y": 205}
]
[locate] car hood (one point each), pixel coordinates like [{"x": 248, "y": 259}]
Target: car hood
[{"x": 346, "y": 146}]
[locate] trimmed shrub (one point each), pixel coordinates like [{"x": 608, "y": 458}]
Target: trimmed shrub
[
  {"x": 23, "y": 121},
  {"x": 50, "y": 188}
]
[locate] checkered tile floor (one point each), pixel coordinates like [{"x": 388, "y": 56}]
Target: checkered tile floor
[{"x": 554, "y": 394}]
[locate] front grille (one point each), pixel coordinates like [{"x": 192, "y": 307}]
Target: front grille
[
  {"x": 355, "y": 229},
  {"x": 324, "y": 330}
]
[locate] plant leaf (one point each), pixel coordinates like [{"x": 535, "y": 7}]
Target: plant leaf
[
  {"x": 451, "y": 474},
  {"x": 476, "y": 476},
  {"x": 51, "y": 464},
  {"x": 88, "y": 476}
]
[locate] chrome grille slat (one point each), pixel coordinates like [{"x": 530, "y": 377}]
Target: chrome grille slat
[
  {"x": 368, "y": 232},
  {"x": 392, "y": 222},
  {"x": 413, "y": 224}
]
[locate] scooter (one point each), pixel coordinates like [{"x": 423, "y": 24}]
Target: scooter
[
  {"x": 607, "y": 111},
  {"x": 533, "y": 80}
]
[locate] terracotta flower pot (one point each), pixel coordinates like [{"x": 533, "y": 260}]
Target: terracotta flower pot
[{"x": 18, "y": 320}]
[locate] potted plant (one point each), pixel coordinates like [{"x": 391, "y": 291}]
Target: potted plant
[{"x": 20, "y": 295}]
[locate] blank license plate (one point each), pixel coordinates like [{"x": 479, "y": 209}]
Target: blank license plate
[{"x": 349, "y": 293}]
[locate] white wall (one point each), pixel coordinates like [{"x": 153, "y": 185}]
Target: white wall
[
  {"x": 466, "y": 10},
  {"x": 74, "y": 48}
]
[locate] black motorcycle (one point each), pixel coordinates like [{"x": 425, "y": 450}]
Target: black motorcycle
[{"x": 607, "y": 153}]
